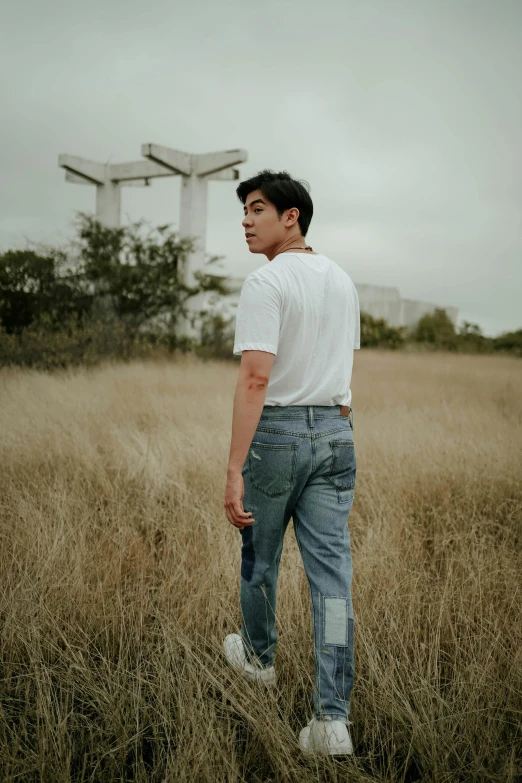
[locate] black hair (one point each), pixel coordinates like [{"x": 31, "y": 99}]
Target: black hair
[{"x": 283, "y": 192}]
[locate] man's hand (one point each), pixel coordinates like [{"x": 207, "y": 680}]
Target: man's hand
[{"x": 234, "y": 492}]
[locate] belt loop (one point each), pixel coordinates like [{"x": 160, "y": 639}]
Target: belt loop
[
  {"x": 311, "y": 415},
  {"x": 351, "y": 416}
]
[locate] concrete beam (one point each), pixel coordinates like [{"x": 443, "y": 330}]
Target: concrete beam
[
  {"x": 139, "y": 169},
  {"x": 86, "y": 169},
  {"x": 213, "y": 162},
  {"x": 131, "y": 183},
  {"x": 224, "y": 174},
  {"x": 70, "y": 177},
  {"x": 134, "y": 183},
  {"x": 177, "y": 162}
]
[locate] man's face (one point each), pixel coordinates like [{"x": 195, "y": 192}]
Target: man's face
[{"x": 264, "y": 229}]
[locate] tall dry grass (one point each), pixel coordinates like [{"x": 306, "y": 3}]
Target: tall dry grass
[{"x": 120, "y": 574}]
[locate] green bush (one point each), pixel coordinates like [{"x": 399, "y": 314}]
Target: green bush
[
  {"x": 375, "y": 333},
  {"x": 436, "y": 329},
  {"x": 471, "y": 340},
  {"x": 509, "y": 341},
  {"x": 217, "y": 337},
  {"x": 43, "y": 347},
  {"x": 36, "y": 285}
]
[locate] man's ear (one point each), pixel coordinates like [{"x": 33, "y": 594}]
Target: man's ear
[{"x": 292, "y": 216}]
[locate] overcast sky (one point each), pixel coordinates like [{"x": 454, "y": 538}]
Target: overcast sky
[{"x": 405, "y": 116}]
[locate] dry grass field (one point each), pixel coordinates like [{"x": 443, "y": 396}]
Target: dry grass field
[{"x": 119, "y": 578}]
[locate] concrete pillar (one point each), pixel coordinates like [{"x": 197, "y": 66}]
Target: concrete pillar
[
  {"x": 193, "y": 223},
  {"x": 193, "y": 220},
  {"x": 195, "y": 171},
  {"x": 108, "y": 203}
]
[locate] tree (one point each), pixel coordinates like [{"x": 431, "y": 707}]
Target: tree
[
  {"x": 438, "y": 329},
  {"x": 375, "y": 332},
  {"x": 136, "y": 276},
  {"x": 471, "y": 339},
  {"x": 509, "y": 341},
  {"x": 33, "y": 285},
  {"x": 217, "y": 336}
]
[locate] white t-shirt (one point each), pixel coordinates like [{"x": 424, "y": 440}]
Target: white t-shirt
[{"x": 304, "y": 309}]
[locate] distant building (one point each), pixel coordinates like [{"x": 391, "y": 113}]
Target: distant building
[
  {"x": 378, "y": 301},
  {"x": 386, "y": 302}
]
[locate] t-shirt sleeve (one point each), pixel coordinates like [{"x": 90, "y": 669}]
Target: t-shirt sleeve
[
  {"x": 357, "y": 337},
  {"x": 258, "y": 317}
]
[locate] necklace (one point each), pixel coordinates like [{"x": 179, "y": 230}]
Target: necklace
[{"x": 308, "y": 247}]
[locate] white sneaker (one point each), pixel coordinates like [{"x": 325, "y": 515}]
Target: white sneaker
[
  {"x": 236, "y": 656},
  {"x": 326, "y": 737}
]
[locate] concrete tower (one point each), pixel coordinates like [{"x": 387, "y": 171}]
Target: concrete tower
[{"x": 195, "y": 171}]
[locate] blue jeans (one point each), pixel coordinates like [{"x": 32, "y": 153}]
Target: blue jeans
[{"x": 301, "y": 464}]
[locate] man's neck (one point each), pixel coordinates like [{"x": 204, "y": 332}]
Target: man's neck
[{"x": 297, "y": 241}]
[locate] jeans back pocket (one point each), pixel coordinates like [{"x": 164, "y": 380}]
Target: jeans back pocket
[
  {"x": 343, "y": 466},
  {"x": 272, "y": 467}
]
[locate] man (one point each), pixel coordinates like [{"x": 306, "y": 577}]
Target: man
[{"x": 292, "y": 449}]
